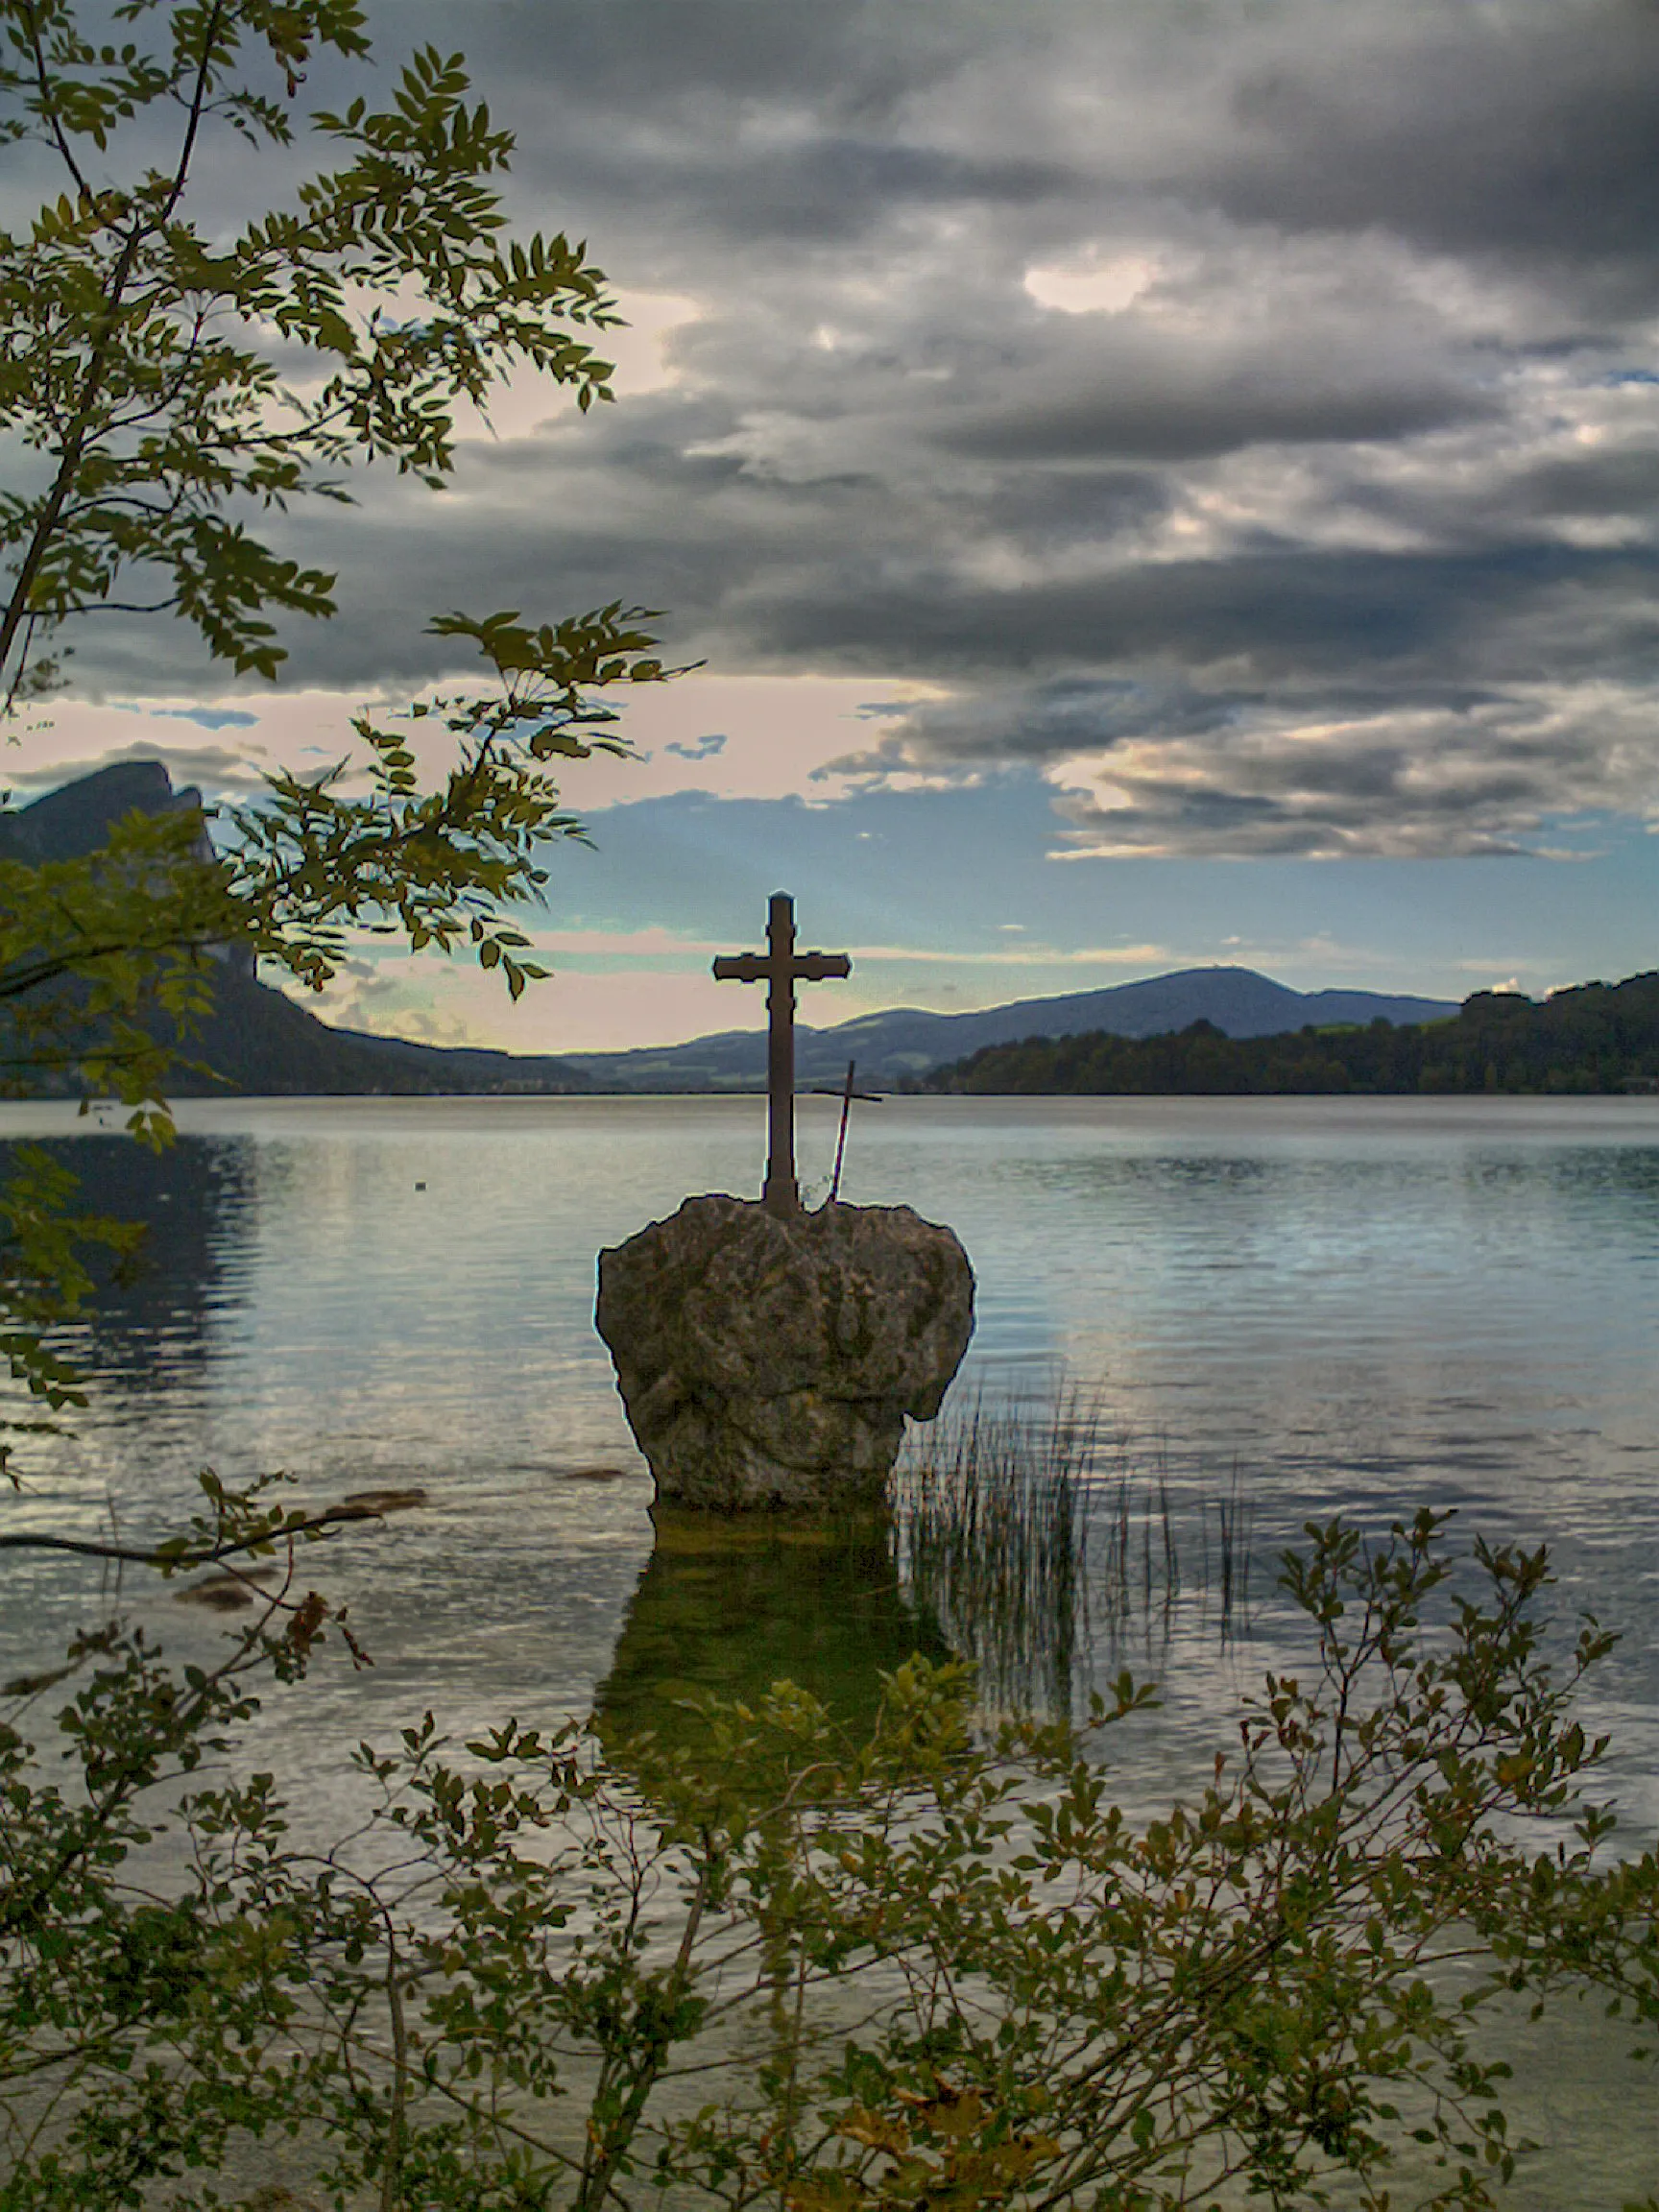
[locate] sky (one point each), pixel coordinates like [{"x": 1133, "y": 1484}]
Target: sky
[{"x": 1151, "y": 483}]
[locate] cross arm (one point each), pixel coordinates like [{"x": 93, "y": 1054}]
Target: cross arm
[
  {"x": 820, "y": 967},
  {"x": 742, "y": 968}
]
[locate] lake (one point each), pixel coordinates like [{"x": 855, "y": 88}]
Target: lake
[
  {"x": 1304, "y": 1306},
  {"x": 1323, "y": 1306},
  {"x": 1278, "y": 1309}
]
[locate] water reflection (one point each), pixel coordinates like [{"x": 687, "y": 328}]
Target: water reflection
[
  {"x": 148, "y": 1321},
  {"x": 728, "y": 1606},
  {"x": 1347, "y": 1306}
]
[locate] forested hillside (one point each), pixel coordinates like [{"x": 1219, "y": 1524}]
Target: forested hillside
[{"x": 1597, "y": 1036}]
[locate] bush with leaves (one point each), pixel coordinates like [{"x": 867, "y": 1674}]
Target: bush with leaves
[{"x": 921, "y": 1970}]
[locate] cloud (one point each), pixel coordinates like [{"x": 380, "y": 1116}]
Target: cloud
[
  {"x": 208, "y": 717},
  {"x": 1525, "y": 133},
  {"x": 780, "y": 731},
  {"x": 64, "y": 757},
  {"x": 1344, "y": 772},
  {"x": 1136, "y": 388},
  {"x": 1477, "y": 782},
  {"x": 1243, "y": 419}
]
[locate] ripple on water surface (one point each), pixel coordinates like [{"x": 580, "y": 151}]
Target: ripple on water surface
[{"x": 1356, "y": 1306}]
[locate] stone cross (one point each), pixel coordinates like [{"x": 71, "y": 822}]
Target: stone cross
[{"x": 781, "y": 968}]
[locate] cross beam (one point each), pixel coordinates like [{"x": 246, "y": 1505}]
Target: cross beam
[{"x": 781, "y": 968}]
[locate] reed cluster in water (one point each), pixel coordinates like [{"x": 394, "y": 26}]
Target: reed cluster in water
[{"x": 1038, "y": 1534}]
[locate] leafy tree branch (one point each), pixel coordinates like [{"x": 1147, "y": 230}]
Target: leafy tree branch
[
  {"x": 136, "y": 352},
  {"x": 139, "y": 352}
]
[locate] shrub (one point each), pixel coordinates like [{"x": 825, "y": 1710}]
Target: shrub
[{"x": 923, "y": 1969}]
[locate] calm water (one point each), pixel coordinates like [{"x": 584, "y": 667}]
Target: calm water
[
  {"x": 1347, "y": 1305},
  {"x": 1354, "y": 1306}
]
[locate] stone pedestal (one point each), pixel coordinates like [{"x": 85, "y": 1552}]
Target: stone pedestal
[{"x": 769, "y": 1359}]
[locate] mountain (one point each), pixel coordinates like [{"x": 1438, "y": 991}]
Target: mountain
[
  {"x": 256, "y": 1040},
  {"x": 907, "y": 1040},
  {"x": 260, "y": 1043},
  {"x": 77, "y": 819},
  {"x": 1596, "y": 1037}
]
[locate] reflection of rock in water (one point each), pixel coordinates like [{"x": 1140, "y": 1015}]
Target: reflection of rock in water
[
  {"x": 730, "y": 1605},
  {"x": 194, "y": 1199}
]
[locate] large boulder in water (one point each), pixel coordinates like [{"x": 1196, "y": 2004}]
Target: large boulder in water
[{"x": 769, "y": 1359}]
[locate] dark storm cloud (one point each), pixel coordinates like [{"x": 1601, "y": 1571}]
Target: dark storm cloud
[
  {"x": 1289, "y": 617},
  {"x": 1527, "y": 131},
  {"x": 829, "y": 190},
  {"x": 1609, "y": 484},
  {"x": 1241, "y": 413},
  {"x": 1145, "y": 418}
]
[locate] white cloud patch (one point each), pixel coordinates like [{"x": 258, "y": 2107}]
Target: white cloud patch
[
  {"x": 1104, "y": 285},
  {"x": 775, "y": 736}
]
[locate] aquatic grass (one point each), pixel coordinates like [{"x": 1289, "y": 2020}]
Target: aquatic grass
[
  {"x": 992, "y": 1528},
  {"x": 1234, "y": 1516},
  {"x": 1037, "y": 1534}
]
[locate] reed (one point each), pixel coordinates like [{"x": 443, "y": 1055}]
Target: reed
[
  {"x": 1234, "y": 1515},
  {"x": 992, "y": 1528},
  {"x": 1037, "y": 1534}
]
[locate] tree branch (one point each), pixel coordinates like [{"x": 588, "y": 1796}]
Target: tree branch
[
  {"x": 75, "y": 444},
  {"x": 48, "y": 106},
  {"x": 130, "y": 1554}
]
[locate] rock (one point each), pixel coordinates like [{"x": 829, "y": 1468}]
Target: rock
[
  {"x": 366, "y": 1505},
  {"x": 227, "y": 1593},
  {"x": 769, "y": 1359}
]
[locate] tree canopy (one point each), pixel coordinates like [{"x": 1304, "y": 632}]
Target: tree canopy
[
  {"x": 174, "y": 382},
  {"x": 1600, "y": 1037}
]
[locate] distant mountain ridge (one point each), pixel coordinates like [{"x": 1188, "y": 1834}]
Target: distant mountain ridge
[
  {"x": 262, "y": 1044},
  {"x": 258, "y": 1042},
  {"x": 907, "y": 1040},
  {"x": 77, "y": 818}
]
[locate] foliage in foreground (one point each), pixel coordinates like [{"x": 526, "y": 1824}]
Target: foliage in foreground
[
  {"x": 919, "y": 1970},
  {"x": 178, "y": 382}
]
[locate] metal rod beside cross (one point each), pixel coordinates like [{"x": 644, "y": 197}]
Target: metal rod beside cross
[
  {"x": 846, "y": 1094},
  {"x": 781, "y": 968}
]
